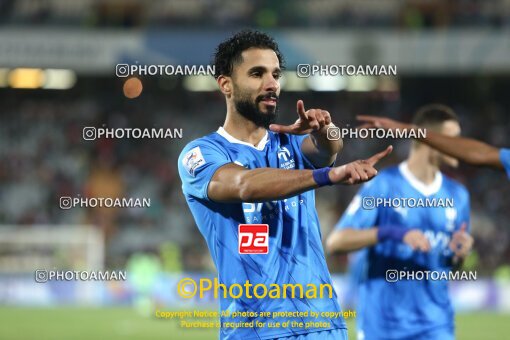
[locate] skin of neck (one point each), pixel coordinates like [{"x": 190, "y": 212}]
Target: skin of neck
[
  {"x": 423, "y": 164},
  {"x": 241, "y": 128}
]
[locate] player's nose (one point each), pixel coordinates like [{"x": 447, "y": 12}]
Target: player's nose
[{"x": 271, "y": 84}]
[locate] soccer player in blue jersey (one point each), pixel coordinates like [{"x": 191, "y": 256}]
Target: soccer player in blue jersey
[
  {"x": 467, "y": 150},
  {"x": 251, "y": 171},
  {"x": 395, "y": 239}
]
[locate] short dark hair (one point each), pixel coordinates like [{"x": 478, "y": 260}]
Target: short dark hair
[
  {"x": 433, "y": 115},
  {"x": 228, "y": 53}
]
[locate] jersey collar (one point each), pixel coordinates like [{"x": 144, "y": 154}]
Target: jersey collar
[
  {"x": 260, "y": 146},
  {"x": 423, "y": 188}
]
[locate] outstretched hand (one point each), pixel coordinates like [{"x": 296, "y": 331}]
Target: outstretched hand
[
  {"x": 308, "y": 121},
  {"x": 358, "y": 171}
]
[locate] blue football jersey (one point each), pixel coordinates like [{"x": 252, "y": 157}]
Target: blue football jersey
[
  {"x": 406, "y": 308},
  {"x": 295, "y": 253},
  {"x": 504, "y": 156}
]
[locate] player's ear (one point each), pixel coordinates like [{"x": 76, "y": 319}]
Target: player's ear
[{"x": 225, "y": 84}]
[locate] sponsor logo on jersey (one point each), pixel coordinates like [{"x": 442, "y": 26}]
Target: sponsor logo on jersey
[{"x": 253, "y": 239}]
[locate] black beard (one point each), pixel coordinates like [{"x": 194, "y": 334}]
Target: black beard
[{"x": 250, "y": 110}]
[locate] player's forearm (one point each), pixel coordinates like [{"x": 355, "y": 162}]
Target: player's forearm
[
  {"x": 467, "y": 150},
  {"x": 273, "y": 184},
  {"x": 230, "y": 184},
  {"x": 320, "y": 150},
  {"x": 347, "y": 240},
  {"x": 233, "y": 183}
]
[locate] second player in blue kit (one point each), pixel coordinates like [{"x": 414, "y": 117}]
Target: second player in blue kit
[{"x": 397, "y": 237}]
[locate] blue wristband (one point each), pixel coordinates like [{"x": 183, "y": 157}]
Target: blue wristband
[
  {"x": 321, "y": 176},
  {"x": 391, "y": 233}
]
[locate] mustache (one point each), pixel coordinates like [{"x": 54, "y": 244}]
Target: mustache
[{"x": 269, "y": 95}]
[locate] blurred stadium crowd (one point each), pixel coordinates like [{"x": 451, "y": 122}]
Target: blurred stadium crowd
[
  {"x": 405, "y": 14},
  {"x": 43, "y": 156}
]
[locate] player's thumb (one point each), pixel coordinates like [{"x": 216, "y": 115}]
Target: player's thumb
[{"x": 280, "y": 128}]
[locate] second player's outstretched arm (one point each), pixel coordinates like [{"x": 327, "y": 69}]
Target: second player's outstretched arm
[
  {"x": 467, "y": 150},
  {"x": 233, "y": 183}
]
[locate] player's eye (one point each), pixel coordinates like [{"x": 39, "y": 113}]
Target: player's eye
[
  {"x": 277, "y": 75},
  {"x": 256, "y": 74}
]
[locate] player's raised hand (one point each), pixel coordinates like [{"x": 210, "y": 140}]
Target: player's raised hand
[
  {"x": 309, "y": 121},
  {"x": 461, "y": 242},
  {"x": 416, "y": 240},
  {"x": 358, "y": 171},
  {"x": 382, "y": 123}
]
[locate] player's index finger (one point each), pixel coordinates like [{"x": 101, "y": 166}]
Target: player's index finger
[
  {"x": 301, "y": 109},
  {"x": 378, "y": 156}
]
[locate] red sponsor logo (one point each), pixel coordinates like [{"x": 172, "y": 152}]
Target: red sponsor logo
[{"x": 253, "y": 239}]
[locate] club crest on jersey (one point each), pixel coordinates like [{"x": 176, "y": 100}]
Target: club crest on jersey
[
  {"x": 286, "y": 161},
  {"x": 193, "y": 160}
]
